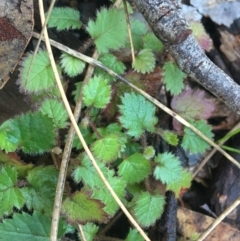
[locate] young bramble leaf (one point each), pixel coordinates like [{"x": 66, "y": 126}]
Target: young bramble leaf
[
  {"x": 97, "y": 92},
  {"x": 101, "y": 192},
  {"x": 90, "y": 230},
  {"x": 10, "y": 195},
  {"x": 144, "y": 61},
  {"x": 72, "y": 66},
  {"x": 184, "y": 182},
  {"x": 115, "y": 65},
  {"x": 135, "y": 168},
  {"x": 109, "y": 31},
  {"x": 87, "y": 173},
  {"x": 173, "y": 78},
  {"x": 107, "y": 148},
  {"x": 24, "y": 131},
  {"x": 40, "y": 192},
  {"x": 40, "y": 77},
  {"x": 149, "y": 152},
  {"x": 23, "y": 227},
  {"x": 169, "y": 168},
  {"x": 170, "y": 137},
  {"x": 171, "y": 173},
  {"x": 134, "y": 235},
  {"x": 152, "y": 42},
  {"x": 55, "y": 110},
  {"x": 148, "y": 208},
  {"x": 80, "y": 208},
  {"x": 137, "y": 114},
  {"x": 64, "y": 19},
  {"x": 194, "y": 143},
  {"x": 193, "y": 104}
]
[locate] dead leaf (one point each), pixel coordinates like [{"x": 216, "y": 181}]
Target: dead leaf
[
  {"x": 190, "y": 222},
  {"x": 16, "y": 25}
]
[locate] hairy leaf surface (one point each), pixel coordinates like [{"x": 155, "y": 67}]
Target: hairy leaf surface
[
  {"x": 148, "y": 208},
  {"x": 135, "y": 168},
  {"x": 10, "y": 195},
  {"x": 137, "y": 114},
  {"x": 144, "y": 61},
  {"x": 81, "y": 208},
  {"x": 72, "y": 66},
  {"x": 173, "y": 78},
  {"x": 24, "y": 132},
  {"x": 107, "y": 148},
  {"x": 37, "y": 77},
  {"x": 64, "y": 18},
  {"x": 194, "y": 143},
  {"x": 55, "y": 110},
  {"x": 23, "y": 227},
  {"x": 97, "y": 92},
  {"x": 109, "y": 31},
  {"x": 170, "y": 172},
  {"x": 40, "y": 192}
]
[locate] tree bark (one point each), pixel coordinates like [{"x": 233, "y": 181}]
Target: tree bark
[{"x": 164, "y": 17}]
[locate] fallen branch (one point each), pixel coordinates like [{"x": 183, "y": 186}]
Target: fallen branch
[{"x": 164, "y": 17}]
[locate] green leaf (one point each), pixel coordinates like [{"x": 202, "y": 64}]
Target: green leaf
[
  {"x": 64, "y": 18},
  {"x": 194, "y": 143},
  {"x": 184, "y": 182},
  {"x": 55, "y": 110},
  {"x": 87, "y": 173},
  {"x": 169, "y": 169},
  {"x": 148, "y": 208},
  {"x": 102, "y": 193},
  {"x": 109, "y": 31},
  {"x": 5, "y": 144},
  {"x": 10, "y": 195},
  {"x": 90, "y": 231},
  {"x": 92, "y": 182},
  {"x": 135, "y": 168},
  {"x": 138, "y": 29},
  {"x": 137, "y": 114},
  {"x": 80, "y": 208},
  {"x": 152, "y": 42},
  {"x": 144, "y": 61},
  {"x": 170, "y": 172},
  {"x": 33, "y": 132},
  {"x": 72, "y": 66},
  {"x": 87, "y": 135},
  {"x": 24, "y": 227},
  {"x": 97, "y": 92},
  {"x": 107, "y": 148},
  {"x": 40, "y": 192},
  {"x": 40, "y": 77},
  {"x": 134, "y": 235},
  {"x": 173, "y": 78},
  {"x": 114, "y": 129},
  {"x": 170, "y": 138},
  {"x": 149, "y": 152},
  {"x": 111, "y": 62}
]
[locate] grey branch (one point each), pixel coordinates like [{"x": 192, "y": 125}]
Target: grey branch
[{"x": 164, "y": 17}]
